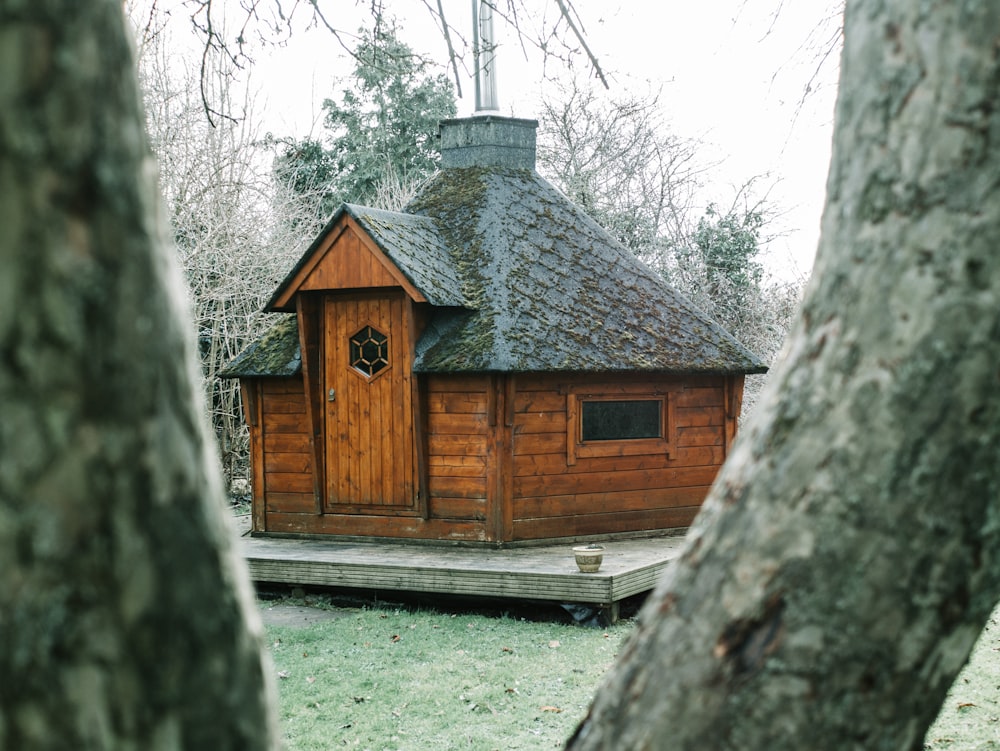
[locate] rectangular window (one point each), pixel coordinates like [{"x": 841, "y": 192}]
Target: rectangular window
[
  {"x": 618, "y": 421},
  {"x": 614, "y": 420}
]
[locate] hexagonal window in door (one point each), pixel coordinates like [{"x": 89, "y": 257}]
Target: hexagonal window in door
[{"x": 369, "y": 351}]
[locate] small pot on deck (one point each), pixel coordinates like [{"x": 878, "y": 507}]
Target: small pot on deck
[{"x": 589, "y": 557}]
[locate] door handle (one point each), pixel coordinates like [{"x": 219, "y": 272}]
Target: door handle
[{"x": 331, "y": 395}]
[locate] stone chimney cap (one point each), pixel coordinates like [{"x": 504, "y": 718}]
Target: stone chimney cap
[{"x": 488, "y": 141}]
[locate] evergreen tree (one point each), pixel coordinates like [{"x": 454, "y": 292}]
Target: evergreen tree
[{"x": 381, "y": 131}]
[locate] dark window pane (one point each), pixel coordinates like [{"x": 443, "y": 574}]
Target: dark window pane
[
  {"x": 622, "y": 420},
  {"x": 369, "y": 351}
]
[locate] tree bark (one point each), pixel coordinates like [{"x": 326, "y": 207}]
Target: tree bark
[
  {"x": 848, "y": 556},
  {"x": 123, "y": 608}
]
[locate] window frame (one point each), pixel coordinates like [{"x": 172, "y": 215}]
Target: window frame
[
  {"x": 369, "y": 378},
  {"x": 577, "y": 448}
]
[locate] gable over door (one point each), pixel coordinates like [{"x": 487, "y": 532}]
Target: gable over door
[{"x": 370, "y": 450}]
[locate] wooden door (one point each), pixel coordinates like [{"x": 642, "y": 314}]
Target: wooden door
[{"x": 369, "y": 415}]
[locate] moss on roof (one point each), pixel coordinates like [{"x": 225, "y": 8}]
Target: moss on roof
[
  {"x": 550, "y": 290},
  {"x": 416, "y": 245},
  {"x": 276, "y": 353},
  {"x": 411, "y": 242},
  {"x": 522, "y": 280}
]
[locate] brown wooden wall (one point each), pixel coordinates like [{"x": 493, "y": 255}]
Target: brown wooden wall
[
  {"x": 614, "y": 494},
  {"x": 458, "y": 434},
  {"x": 496, "y": 462},
  {"x": 280, "y": 449},
  {"x": 458, "y": 438}
]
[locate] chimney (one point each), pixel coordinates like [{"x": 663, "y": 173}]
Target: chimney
[
  {"x": 488, "y": 141},
  {"x": 484, "y": 51}
]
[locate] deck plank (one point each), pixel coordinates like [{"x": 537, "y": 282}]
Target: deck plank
[{"x": 531, "y": 573}]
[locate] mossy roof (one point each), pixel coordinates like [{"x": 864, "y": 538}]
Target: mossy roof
[
  {"x": 550, "y": 290},
  {"x": 523, "y": 281},
  {"x": 412, "y": 242},
  {"x": 276, "y": 353}
]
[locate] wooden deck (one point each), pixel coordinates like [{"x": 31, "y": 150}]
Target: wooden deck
[{"x": 526, "y": 573}]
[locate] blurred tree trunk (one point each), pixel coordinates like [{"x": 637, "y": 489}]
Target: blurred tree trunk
[
  {"x": 123, "y": 608},
  {"x": 848, "y": 556}
]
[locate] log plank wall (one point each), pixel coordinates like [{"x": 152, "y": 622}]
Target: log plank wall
[
  {"x": 458, "y": 433},
  {"x": 613, "y": 494},
  {"x": 283, "y": 472},
  {"x": 497, "y": 466},
  {"x": 458, "y": 439}
]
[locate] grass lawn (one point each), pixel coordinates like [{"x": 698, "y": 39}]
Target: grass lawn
[
  {"x": 393, "y": 678},
  {"x": 405, "y": 678}
]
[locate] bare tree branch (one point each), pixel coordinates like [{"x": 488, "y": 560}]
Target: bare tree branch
[
  {"x": 452, "y": 57},
  {"x": 564, "y": 8},
  {"x": 560, "y": 39}
]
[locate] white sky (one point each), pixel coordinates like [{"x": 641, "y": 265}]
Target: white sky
[{"x": 733, "y": 76}]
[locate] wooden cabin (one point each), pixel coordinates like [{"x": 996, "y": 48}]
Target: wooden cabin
[{"x": 487, "y": 365}]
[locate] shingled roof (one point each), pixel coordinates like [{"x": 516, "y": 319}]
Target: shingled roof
[
  {"x": 276, "y": 353},
  {"x": 523, "y": 281},
  {"x": 412, "y": 242}
]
